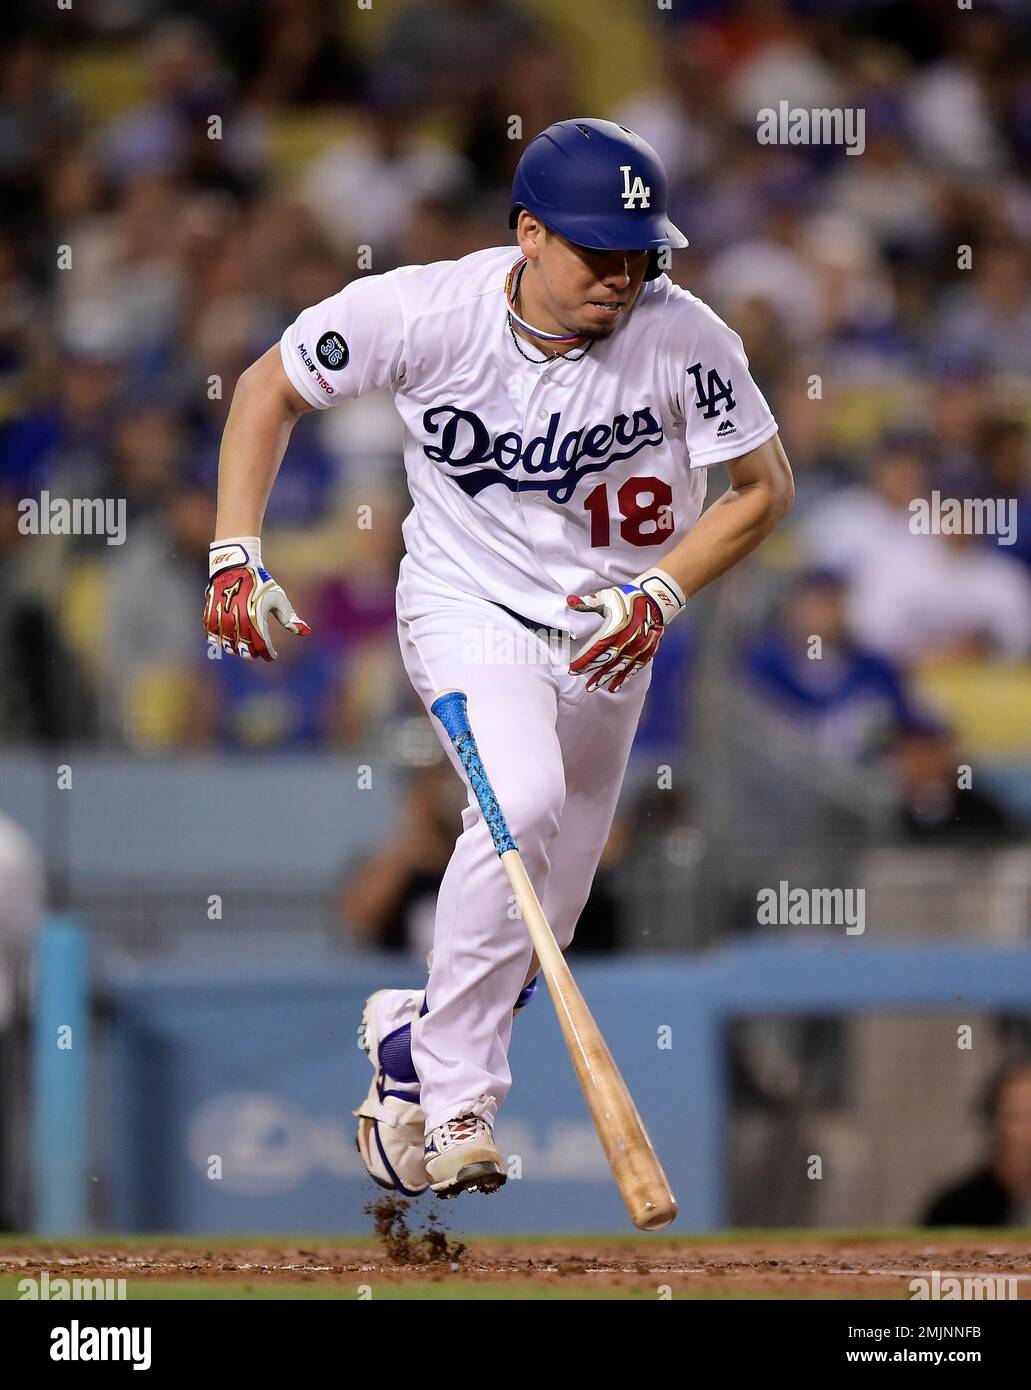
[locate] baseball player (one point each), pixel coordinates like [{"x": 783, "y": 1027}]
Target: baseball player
[{"x": 562, "y": 405}]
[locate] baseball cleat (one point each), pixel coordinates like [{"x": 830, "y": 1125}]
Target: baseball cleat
[
  {"x": 391, "y": 1121},
  {"x": 461, "y": 1157}
]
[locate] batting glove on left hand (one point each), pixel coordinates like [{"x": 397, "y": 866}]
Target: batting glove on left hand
[
  {"x": 634, "y": 619},
  {"x": 242, "y": 597}
]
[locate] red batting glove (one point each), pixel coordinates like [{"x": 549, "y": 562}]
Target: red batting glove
[
  {"x": 627, "y": 639},
  {"x": 241, "y": 599},
  {"x": 634, "y": 619}
]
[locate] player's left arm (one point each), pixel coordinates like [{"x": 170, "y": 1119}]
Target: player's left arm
[
  {"x": 703, "y": 372},
  {"x": 760, "y": 495},
  {"x": 634, "y": 615}
]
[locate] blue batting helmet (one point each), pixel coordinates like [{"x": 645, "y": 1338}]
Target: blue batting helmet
[{"x": 597, "y": 184}]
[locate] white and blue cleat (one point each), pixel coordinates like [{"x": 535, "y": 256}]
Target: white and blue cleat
[
  {"x": 459, "y": 1156},
  {"x": 391, "y": 1122}
]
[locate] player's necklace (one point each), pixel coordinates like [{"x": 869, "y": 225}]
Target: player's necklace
[
  {"x": 539, "y": 361},
  {"x": 511, "y": 290}
]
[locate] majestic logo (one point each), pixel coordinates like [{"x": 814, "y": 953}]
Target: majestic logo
[
  {"x": 465, "y": 439},
  {"x": 332, "y": 352},
  {"x": 633, "y": 191}
]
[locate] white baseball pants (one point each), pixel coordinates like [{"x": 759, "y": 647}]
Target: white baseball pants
[{"x": 556, "y": 754}]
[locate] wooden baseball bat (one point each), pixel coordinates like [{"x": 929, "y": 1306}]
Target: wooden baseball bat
[{"x": 634, "y": 1163}]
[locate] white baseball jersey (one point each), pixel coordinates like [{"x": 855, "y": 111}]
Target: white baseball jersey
[{"x": 531, "y": 482}]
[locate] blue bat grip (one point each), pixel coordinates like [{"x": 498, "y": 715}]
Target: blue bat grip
[{"x": 452, "y": 710}]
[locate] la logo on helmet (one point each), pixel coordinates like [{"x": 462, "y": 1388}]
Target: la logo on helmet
[{"x": 635, "y": 190}]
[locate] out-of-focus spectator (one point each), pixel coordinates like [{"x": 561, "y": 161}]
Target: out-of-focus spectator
[
  {"x": 153, "y": 633},
  {"x": 779, "y": 61},
  {"x": 169, "y": 134},
  {"x": 666, "y": 716},
  {"x": 851, "y": 530},
  {"x": 22, "y": 329},
  {"x": 534, "y": 83},
  {"x": 772, "y": 269},
  {"x": 389, "y": 901},
  {"x": 62, "y": 442},
  {"x": 296, "y": 702},
  {"x": 999, "y": 1192},
  {"x": 363, "y": 191},
  {"x": 34, "y": 706},
  {"x": 885, "y": 192},
  {"x": 944, "y": 598},
  {"x": 298, "y": 57},
  {"x": 36, "y": 113},
  {"x": 288, "y": 262},
  {"x": 445, "y": 228},
  {"x": 916, "y": 597},
  {"x": 851, "y": 700},
  {"x": 958, "y": 404},
  {"x": 125, "y": 291},
  {"x": 146, "y": 457},
  {"x": 950, "y": 104},
  {"x": 447, "y": 54},
  {"x": 820, "y": 466},
  {"x": 359, "y": 604},
  {"x": 856, "y": 306},
  {"x": 933, "y": 806},
  {"x": 674, "y": 113},
  {"x": 992, "y": 316},
  {"x": 1008, "y": 465}
]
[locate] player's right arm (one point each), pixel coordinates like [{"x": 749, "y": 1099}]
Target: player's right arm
[
  {"x": 242, "y": 597},
  {"x": 313, "y": 366},
  {"x": 265, "y": 407}
]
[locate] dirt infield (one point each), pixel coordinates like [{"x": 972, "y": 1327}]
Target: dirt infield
[{"x": 434, "y": 1264}]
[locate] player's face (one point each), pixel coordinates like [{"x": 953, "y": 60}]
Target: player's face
[{"x": 584, "y": 291}]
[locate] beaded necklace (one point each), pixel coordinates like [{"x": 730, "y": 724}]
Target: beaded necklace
[{"x": 511, "y": 290}]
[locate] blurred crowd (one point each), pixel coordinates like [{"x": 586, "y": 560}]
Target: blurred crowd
[{"x": 179, "y": 180}]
